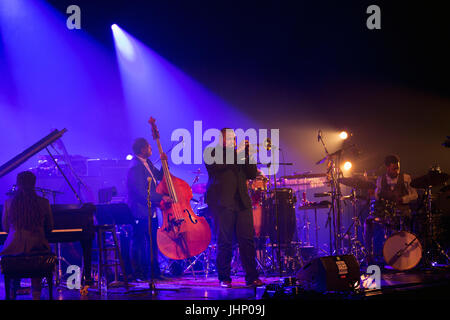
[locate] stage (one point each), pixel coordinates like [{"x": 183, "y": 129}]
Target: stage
[
  {"x": 309, "y": 141},
  {"x": 430, "y": 284}
]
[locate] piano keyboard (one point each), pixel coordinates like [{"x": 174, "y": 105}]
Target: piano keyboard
[{"x": 53, "y": 231}]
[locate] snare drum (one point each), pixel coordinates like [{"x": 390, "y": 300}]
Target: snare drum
[
  {"x": 258, "y": 184},
  {"x": 382, "y": 209},
  {"x": 402, "y": 250}
]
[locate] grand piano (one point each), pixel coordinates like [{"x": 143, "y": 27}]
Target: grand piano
[{"x": 72, "y": 223}]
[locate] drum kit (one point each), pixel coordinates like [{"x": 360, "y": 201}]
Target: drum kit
[{"x": 403, "y": 247}]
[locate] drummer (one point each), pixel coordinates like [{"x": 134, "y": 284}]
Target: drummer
[{"x": 392, "y": 186}]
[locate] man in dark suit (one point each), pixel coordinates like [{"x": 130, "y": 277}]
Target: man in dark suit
[
  {"x": 229, "y": 202},
  {"x": 140, "y": 175}
]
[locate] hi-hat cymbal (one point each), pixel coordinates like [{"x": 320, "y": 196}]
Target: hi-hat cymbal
[
  {"x": 433, "y": 178},
  {"x": 357, "y": 183},
  {"x": 199, "y": 188}
]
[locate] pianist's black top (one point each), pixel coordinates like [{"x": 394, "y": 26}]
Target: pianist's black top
[{"x": 20, "y": 241}]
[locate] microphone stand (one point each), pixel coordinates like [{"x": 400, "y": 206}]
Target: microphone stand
[
  {"x": 335, "y": 173},
  {"x": 277, "y": 222},
  {"x": 151, "y": 284}
]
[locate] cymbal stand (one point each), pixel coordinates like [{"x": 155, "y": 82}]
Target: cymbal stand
[
  {"x": 306, "y": 222},
  {"x": 336, "y": 202},
  {"x": 262, "y": 254},
  {"x": 206, "y": 255},
  {"x": 328, "y": 225},
  {"x": 430, "y": 258},
  {"x": 335, "y": 173},
  {"x": 357, "y": 249}
]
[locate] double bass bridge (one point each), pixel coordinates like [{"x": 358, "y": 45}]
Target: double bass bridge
[{"x": 173, "y": 225}]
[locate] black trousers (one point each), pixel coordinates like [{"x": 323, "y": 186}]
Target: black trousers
[
  {"x": 140, "y": 250},
  {"x": 236, "y": 221}
]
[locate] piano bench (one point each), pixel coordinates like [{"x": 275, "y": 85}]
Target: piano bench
[{"x": 28, "y": 266}]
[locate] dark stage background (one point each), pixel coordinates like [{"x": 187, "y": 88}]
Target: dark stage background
[{"x": 298, "y": 66}]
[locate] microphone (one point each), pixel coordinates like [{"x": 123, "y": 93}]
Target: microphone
[{"x": 319, "y": 135}]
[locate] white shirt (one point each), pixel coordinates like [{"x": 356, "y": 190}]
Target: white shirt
[
  {"x": 412, "y": 193},
  {"x": 144, "y": 162}
]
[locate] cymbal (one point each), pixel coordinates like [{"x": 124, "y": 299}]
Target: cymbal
[
  {"x": 432, "y": 178},
  {"x": 199, "y": 188},
  {"x": 198, "y": 172},
  {"x": 357, "y": 183},
  {"x": 307, "y": 175}
]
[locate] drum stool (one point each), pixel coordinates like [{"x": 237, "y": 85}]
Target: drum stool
[{"x": 103, "y": 247}]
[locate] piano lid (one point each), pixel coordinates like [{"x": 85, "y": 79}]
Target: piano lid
[{"x": 31, "y": 151}]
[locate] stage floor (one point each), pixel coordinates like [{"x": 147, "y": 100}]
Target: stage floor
[{"x": 428, "y": 284}]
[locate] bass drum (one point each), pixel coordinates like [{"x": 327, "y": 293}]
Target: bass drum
[
  {"x": 285, "y": 210},
  {"x": 258, "y": 219},
  {"x": 402, "y": 251}
]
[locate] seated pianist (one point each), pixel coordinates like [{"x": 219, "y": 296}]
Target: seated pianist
[{"x": 27, "y": 218}]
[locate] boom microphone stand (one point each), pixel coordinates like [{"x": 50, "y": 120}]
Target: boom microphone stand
[{"x": 335, "y": 173}]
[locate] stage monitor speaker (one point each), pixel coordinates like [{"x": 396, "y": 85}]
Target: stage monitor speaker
[{"x": 330, "y": 273}]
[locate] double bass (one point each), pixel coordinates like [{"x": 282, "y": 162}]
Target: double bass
[{"x": 183, "y": 234}]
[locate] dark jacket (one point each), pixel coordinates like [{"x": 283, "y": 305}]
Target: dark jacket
[
  {"x": 25, "y": 241},
  {"x": 227, "y": 183},
  {"x": 137, "y": 188}
]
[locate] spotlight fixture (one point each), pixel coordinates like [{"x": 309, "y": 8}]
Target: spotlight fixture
[
  {"x": 123, "y": 43},
  {"x": 347, "y": 165},
  {"x": 129, "y": 157},
  {"x": 343, "y": 135}
]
